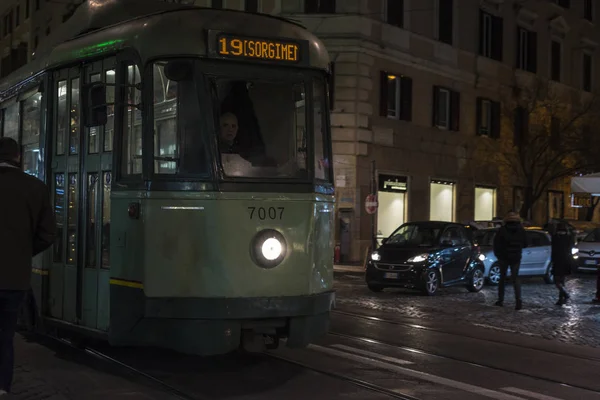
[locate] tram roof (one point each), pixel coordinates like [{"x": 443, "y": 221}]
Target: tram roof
[{"x": 154, "y": 29}]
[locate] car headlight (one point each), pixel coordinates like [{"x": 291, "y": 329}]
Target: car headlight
[
  {"x": 574, "y": 250},
  {"x": 375, "y": 256},
  {"x": 482, "y": 257},
  {"x": 419, "y": 258},
  {"x": 268, "y": 248}
]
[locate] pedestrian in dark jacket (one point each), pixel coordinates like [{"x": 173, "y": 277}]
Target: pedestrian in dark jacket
[
  {"x": 27, "y": 228},
  {"x": 562, "y": 259},
  {"x": 508, "y": 248}
]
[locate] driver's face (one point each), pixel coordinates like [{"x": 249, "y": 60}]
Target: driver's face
[{"x": 229, "y": 127}]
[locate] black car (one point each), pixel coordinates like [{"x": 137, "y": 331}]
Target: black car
[{"x": 426, "y": 256}]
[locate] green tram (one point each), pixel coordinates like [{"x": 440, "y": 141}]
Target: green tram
[{"x": 188, "y": 152}]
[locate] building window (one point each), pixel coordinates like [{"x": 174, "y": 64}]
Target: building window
[
  {"x": 446, "y": 108},
  {"x": 555, "y": 61},
  {"x": 485, "y": 203},
  {"x": 395, "y": 13},
  {"x": 445, "y": 20},
  {"x": 27, "y": 8},
  {"x": 319, "y": 6},
  {"x": 587, "y": 72},
  {"x": 521, "y": 125},
  {"x": 217, "y": 4},
  {"x": 488, "y": 118},
  {"x": 396, "y": 96},
  {"x": 563, "y": 3},
  {"x": 17, "y": 16},
  {"x": 490, "y": 36},
  {"x": 526, "y": 50},
  {"x": 441, "y": 201},
  {"x": 588, "y": 11},
  {"x": 251, "y": 6},
  {"x": 37, "y": 5}
]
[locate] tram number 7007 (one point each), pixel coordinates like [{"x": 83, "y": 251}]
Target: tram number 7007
[{"x": 264, "y": 213}]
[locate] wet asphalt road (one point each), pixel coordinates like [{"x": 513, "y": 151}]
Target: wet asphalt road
[{"x": 399, "y": 344}]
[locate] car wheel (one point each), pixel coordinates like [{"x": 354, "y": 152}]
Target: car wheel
[
  {"x": 494, "y": 275},
  {"x": 549, "y": 276},
  {"x": 476, "y": 280},
  {"x": 375, "y": 288},
  {"x": 431, "y": 282}
]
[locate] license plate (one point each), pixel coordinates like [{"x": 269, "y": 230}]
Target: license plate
[
  {"x": 391, "y": 275},
  {"x": 590, "y": 262}
]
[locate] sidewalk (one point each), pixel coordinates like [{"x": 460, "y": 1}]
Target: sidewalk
[
  {"x": 50, "y": 371},
  {"x": 353, "y": 269}
]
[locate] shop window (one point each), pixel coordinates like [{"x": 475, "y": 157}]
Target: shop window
[
  {"x": 488, "y": 118},
  {"x": 391, "y": 196},
  {"x": 526, "y": 50},
  {"x": 441, "y": 202},
  {"x": 490, "y": 36},
  {"x": 485, "y": 203},
  {"x": 319, "y": 6},
  {"x": 396, "y": 96},
  {"x": 445, "y": 21},
  {"x": 446, "y": 108},
  {"x": 395, "y": 13}
]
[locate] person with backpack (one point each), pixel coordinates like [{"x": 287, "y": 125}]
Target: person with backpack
[{"x": 508, "y": 249}]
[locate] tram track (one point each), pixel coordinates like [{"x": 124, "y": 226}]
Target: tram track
[
  {"x": 357, "y": 382},
  {"x": 461, "y": 335},
  {"x": 456, "y": 359}
]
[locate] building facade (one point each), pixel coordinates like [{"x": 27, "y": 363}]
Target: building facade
[{"x": 417, "y": 96}]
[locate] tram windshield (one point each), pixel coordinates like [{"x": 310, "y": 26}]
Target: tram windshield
[{"x": 261, "y": 125}]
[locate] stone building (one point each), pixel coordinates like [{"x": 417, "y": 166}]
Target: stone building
[{"x": 418, "y": 88}]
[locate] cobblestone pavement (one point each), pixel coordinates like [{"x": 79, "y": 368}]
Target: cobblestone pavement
[{"x": 576, "y": 323}]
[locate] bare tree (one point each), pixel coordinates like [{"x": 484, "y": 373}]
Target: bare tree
[{"x": 550, "y": 137}]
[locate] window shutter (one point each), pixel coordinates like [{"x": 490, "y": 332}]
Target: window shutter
[
  {"x": 445, "y": 21},
  {"x": 496, "y": 120},
  {"x": 497, "y": 38},
  {"x": 434, "y": 108},
  {"x": 481, "y": 33},
  {"x": 478, "y": 116},
  {"x": 383, "y": 93},
  {"x": 532, "y": 51},
  {"x": 454, "y": 111},
  {"x": 406, "y": 98}
]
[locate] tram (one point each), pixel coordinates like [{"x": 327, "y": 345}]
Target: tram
[{"x": 188, "y": 155}]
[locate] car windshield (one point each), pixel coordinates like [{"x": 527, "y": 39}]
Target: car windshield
[
  {"x": 593, "y": 236},
  {"x": 415, "y": 235},
  {"x": 485, "y": 238}
]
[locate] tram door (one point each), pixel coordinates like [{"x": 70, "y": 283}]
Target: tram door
[{"x": 81, "y": 178}]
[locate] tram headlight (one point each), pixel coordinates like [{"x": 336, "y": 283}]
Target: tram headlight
[{"x": 269, "y": 248}]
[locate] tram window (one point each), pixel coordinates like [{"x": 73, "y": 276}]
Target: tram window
[
  {"x": 31, "y": 134},
  {"x": 109, "y": 128},
  {"x": 92, "y": 193},
  {"x": 11, "y": 121},
  {"x": 132, "y": 145},
  {"x": 261, "y": 128},
  {"x": 320, "y": 129},
  {"x": 74, "y": 120},
  {"x": 61, "y": 117},
  {"x": 178, "y": 142},
  {"x": 93, "y": 133}
]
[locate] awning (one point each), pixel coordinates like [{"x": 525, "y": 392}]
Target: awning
[{"x": 586, "y": 184}]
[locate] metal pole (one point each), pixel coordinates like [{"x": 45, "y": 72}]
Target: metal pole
[{"x": 373, "y": 191}]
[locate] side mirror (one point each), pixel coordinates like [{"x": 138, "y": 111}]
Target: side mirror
[{"x": 95, "y": 110}]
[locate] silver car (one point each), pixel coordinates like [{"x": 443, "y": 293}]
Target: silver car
[
  {"x": 587, "y": 252},
  {"x": 536, "y": 259}
]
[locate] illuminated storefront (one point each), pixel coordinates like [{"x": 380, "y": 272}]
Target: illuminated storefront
[
  {"x": 485, "y": 203},
  {"x": 442, "y": 199},
  {"x": 392, "y": 204}
]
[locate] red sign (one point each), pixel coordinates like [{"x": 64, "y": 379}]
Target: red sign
[{"x": 371, "y": 204}]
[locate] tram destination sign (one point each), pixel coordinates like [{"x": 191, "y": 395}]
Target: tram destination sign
[{"x": 279, "y": 51}]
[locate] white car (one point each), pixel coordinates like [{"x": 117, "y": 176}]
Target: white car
[
  {"x": 536, "y": 259},
  {"x": 587, "y": 252}
]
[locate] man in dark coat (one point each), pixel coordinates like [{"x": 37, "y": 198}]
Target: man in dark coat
[
  {"x": 27, "y": 228},
  {"x": 508, "y": 248},
  {"x": 562, "y": 259}
]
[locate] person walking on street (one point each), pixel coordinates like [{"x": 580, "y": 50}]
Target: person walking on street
[
  {"x": 27, "y": 228},
  {"x": 562, "y": 244},
  {"x": 508, "y": 248}
]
